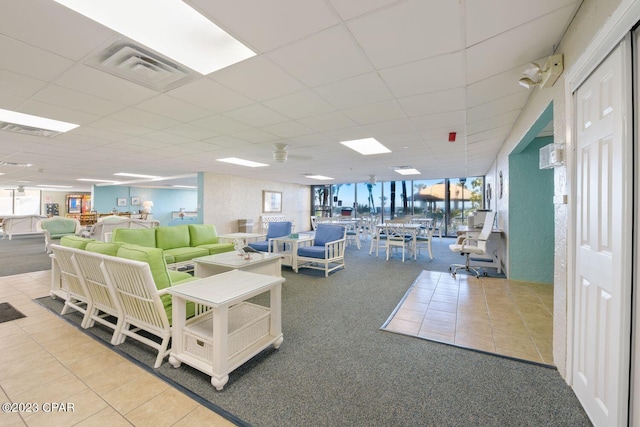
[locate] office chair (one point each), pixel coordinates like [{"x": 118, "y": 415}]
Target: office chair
[{"x": 468, "y": 245}]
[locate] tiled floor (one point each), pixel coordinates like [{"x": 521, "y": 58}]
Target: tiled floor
[
  {"x": 36, "y": 366},
  {"x": 494, "y": 315}
]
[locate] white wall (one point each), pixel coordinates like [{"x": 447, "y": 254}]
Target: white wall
[
  {"x": 591, "y": 16},
  {"x": 230, "y": 198}
]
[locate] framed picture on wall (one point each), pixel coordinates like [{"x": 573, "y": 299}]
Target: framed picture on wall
[
  {"x": 122, "y": 201},
  {"x": 271, "y": 201},
  {"x": 135, "y": 201}
]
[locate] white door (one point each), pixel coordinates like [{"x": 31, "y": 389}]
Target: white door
[{"x": 602, "y": 287}]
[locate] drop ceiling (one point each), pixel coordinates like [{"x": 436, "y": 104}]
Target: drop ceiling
[{"x": 405, "y": 72}]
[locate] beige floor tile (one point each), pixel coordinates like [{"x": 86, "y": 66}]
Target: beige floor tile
[
  {"x": 443, "y": 306},
  {"x": 54, "y": 391},
  {"x": 415, "y": 306},
  {"x": 39, "y": 375},
  {"x": 204, "y": 416},
  {"x": 96, "y": 362},
  {"x": 531, "y": 356},
  {"x": 134, "y": 393},
  {"x": 78, "y": 407},
  {"x": 440, "y": 316},
  {"x": 473, "y": 327},
  {"x": 404, "y": 326},
  {"x": 440, "y": 337},
  {"x": 163, "y": 410},
  {"x": 478, "y": 342},
  {"x": 522, "y": 344},
  {"x": 450, "y": 299},
  {"x": 445, "y": 328},
  {"x": 113, "y": 376},
  {"x": 410, "y": 315},
  {"x": 106, "y": 417}
]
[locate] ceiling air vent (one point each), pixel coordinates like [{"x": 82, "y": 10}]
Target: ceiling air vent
[
  {"x": 28, "y": 130},
  {"x": 141, "y": 66}
]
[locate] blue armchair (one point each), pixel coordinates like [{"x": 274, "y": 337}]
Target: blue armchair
[
  {"x": 326, "y": 252},
  {"x": 276, "y": 229}
]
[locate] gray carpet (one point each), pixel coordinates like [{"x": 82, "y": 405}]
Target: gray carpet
[
  {"x": 23, "y": 254},
  {"x": 337, "y": 368}
]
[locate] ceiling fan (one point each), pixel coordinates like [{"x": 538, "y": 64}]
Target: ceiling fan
[{"x": 281, "y": 155}]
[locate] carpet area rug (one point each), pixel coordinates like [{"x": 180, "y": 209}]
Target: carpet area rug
[
  {"x": 9, "y": 313},
  {"x": 337, "y": 368},
  {"x": 419, "y": 314}
]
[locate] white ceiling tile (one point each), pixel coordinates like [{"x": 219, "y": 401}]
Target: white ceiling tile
[
  {"x": 327, "y": 122},
  {"x": 57, "y": 112},
  {"x": 58, "y": 95},
  {"x": 497, "y": 107},
  {"x": 256, "y": 136},
  {"x": 144, "y": 118},
  {"x": 355, "y": 91},
  {"x": 495, "y": 87},
  {"x": 268, "y": 24},
  {"x": 221, "y": 124},
  {"x": 188, "y": 130},
  {"x": 18, "y": 84},
  {"x": 482, "y": 21},
  {"x": 258, "y": 78},
  {"x": 30, "y": 61},
  {"x": 391, "y": 127},
  {"x": 439, "y": 120},
  {"x": 299, "y": 105},
  {"x": 494, "y": 121},
  {"x": 408, "y": 31},
  {"x": 288, "y": 129},
  {"x": 120, "y": 127},
  {"x": 213, "y": 96},
  {"x": 427, "y": 75},
  {"x": 351, "y": 8},
  {"x": 176, "y": 109},
  {"x": 256, "y": 115},
  {"x": 373, "y": 113},
  {"x": 434, "y": 102},
  {"x": 322, "y": 58}
]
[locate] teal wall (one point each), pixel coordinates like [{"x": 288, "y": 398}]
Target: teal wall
[
  {"x": 165, "y": 201},
  {"x": 531, "y": 215}
]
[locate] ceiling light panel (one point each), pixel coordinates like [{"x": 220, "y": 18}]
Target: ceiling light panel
[
  {"x": 34, "y": 122},
  {"x": 170, "y": 27},
  {"x": 242, "y": 162},
  {"x": 318, "y": 177},
  {"x": 366, "y": 146}
]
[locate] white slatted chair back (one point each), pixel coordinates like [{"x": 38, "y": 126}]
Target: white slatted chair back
[
  {"x": 78, "y": 298},
  {"x": 140, "y": 301}
]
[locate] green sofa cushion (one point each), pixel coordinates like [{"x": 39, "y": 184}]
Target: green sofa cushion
[
  {"x": 202, "y": 234},
  {"x": 76, "y": 242},
  {"x": 136, "y": 236},
  {"x": 105, "y": 248},
  {"x": 151, "y": 256},
  {"x": 172, "y": 236},
  {"x": 186, "y": 253},
  {"x": 217, "y": 248},
  {"x": 60, "y": 227}
]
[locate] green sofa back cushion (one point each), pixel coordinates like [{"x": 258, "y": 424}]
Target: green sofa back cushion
[
  {"x": 136, "y": 236},
  {"x": 60, "y": 226},
  {"x": 172, "y": 236},
  {"x": 105, "y": 248},
  {"x": 151, "y": 256},
  {"x": 202, "y": 234},
  {"x": 76, "y": 242}
]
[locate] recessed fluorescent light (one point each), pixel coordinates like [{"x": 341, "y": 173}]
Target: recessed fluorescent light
[
  {"x": 171, "y": 27},
  {"x": 184, "y": 186},
  {"x": 242, "y": 162},
  {"x": 408, "y": 171},
  {"x": 318, "y": 177},
  {"x": 366, "y": 146},
  {"x": 54, "y": 186},
  {"x": 136, "y": 175},
  {"x": 9, "y": 116},
  {"x": 97, "y": 180}
]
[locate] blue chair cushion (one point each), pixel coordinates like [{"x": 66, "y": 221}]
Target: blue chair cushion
[
  {"x": 278, "y": 229},
  {"x": 312, "y": 251},
  {"x": 328, "y": 233}
]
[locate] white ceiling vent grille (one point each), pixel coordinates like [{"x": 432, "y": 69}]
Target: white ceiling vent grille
[
  {"x": 28, "y": 130},
  {"x": 141, "y": 66}
]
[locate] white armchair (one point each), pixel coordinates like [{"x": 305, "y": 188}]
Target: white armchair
[{"x": 326, "y": 252}]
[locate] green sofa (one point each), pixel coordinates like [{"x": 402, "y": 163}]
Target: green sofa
[
  {"x": 179, "y": 243},
  {"x": 162, "y": 276}
]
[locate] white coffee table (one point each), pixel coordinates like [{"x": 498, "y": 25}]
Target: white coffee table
[
  {"x": 291, "y": 244},
  {"x": 263, "y": 263},
  {"x": 233, "y": 330}
]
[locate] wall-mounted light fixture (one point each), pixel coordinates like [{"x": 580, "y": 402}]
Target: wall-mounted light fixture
[{"x": 544, "y": 76}]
